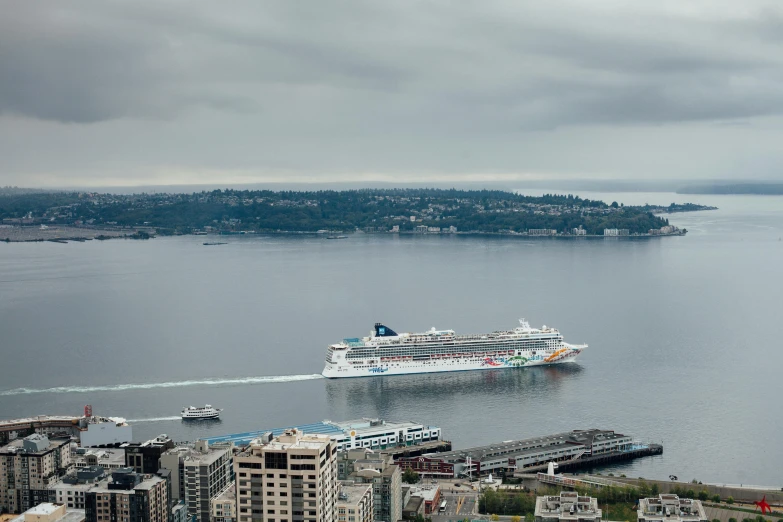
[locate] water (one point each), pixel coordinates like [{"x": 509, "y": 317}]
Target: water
[{"x": 684, "y": 333}]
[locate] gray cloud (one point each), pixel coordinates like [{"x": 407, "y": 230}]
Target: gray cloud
[{"x": 357, "y": 86}]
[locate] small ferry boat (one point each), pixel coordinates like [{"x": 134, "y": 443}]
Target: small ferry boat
[{"x": 201, "y": 412}]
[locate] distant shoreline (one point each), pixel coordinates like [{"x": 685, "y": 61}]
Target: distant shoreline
[{"x": 24, "y": 234}]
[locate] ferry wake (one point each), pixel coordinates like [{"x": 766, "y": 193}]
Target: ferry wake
[{"x": 386, "y": 352}]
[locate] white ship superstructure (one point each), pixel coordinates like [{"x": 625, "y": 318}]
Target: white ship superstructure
[{"x": 386, "y": 352}]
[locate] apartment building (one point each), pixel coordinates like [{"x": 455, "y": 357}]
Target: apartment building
[
  {"x": 355, "y": 503},
  {"x": 144, "y": 457},
  {"x": 72, "y": 489},
  {"x": 289, "y": 478},
  {"x": 199, "y": 473},
  {"x": 128, "y": 497},
  {"x": 367, "y": 467},
  {"x": 28, "y": 467}
]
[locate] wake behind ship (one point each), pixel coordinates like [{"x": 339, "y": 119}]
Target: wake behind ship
[{"x": 386, "y": 352}]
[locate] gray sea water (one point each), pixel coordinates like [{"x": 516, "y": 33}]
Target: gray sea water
[{"x": 684, "y": 333}]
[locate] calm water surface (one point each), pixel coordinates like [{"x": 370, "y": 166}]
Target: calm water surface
[{"x": 684, "y": 333}]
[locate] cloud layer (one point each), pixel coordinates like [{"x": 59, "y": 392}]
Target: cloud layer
[{"x": 145, "y": 91}]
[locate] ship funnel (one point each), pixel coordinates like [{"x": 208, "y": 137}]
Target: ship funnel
[{"x": 384, "y": 331}]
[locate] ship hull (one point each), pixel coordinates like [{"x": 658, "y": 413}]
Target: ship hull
[
  {"x": 565, "y": 354},
  {"x": 202, "y": 417}
]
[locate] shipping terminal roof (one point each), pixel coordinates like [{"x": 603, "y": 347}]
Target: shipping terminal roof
[{"x": 316, "y": 428}]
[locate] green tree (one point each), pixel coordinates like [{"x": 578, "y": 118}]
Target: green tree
[
  {"x": 516, "y": 518},
  {"x": 530, "y": 517},
  {"x": 703, "y": 495},
  {"x": 716, "y": 498},
  {"x": 494, "y": 517},
  {"x": 409, "y": 476},
  {"x": 730, "y": 500},
  {"x": 732, "y": 519}
]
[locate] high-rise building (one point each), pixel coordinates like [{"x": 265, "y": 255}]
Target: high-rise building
[
  {"x": 128, "y": 497},
  {"x": 368, "y": 467},
  {"x": 354, "y": 503},
  {"x": 28, "y": 467},
  {"x": 289, "y": 478},
  {"x": 144, "y": 457},
  {"x": 198, "y": 474}
]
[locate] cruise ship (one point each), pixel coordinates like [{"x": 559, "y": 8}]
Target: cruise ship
[{"x": 385, "y": 352}]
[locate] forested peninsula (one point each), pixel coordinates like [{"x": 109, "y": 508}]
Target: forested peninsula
[{"x": 369, "y": 210}]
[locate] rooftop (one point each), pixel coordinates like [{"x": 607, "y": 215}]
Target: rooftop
[
  {"x": 198, "y": 454},
  {"x": 568, "y": 505},
  {"x": 327, "y": 427},
  {"x": 46, "y": 508},
  {"x": 352, "y": 493},
  {"x": 148, "y": 482},
  {"x": 52, "y": 512},
  {"x": 103, "y": 456},
  {"x": 671, "y": 506},
  {"x": 531, "y": 445},
  {"x": 293, "y": 439},
  {"x": 17, "y": 446},
  {"x": 428, "y": 493}
]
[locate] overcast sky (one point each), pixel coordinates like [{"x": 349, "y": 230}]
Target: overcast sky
[{"x": 165, "y": 92}]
